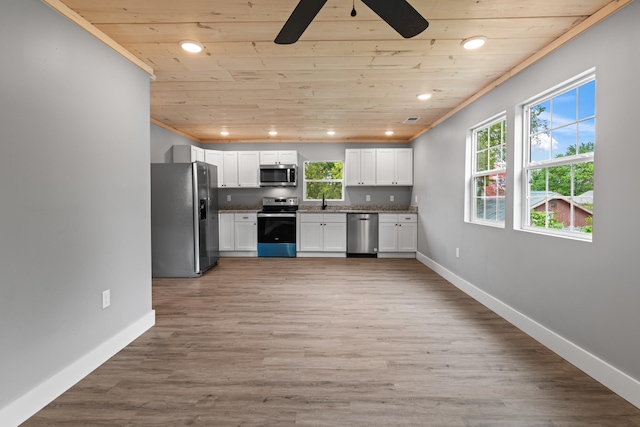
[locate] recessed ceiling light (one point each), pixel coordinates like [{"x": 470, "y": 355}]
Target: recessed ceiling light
[
  {"x": 473, "y": 42},
  {"x": 224, "y": 133},
  {"x": 424, "y": 96},
  {"x": 331, "y": 133},
  {"x": 389, "y": 133},
  {"x": 273, "y": 133},
  {"x": 191, "y": 46}
]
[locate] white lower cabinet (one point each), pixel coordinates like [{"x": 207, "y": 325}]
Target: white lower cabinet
[
  {"x": 397, "y": 235},
  {"x": 246, "y": 232},
  {"x": 227, "y": 232},
  {"x": 238, "y": 234},
  {"x": 322, "y": 234}
]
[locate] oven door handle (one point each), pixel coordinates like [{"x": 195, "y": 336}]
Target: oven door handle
[{"x": 276, "y": 215}]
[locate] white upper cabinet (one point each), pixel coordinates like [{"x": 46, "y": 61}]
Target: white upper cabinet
[
  {"x": 394, "y": 166},
  {"x": 235, "y": 168},
  {"x": 248, "y": 169},
  {"x": 229, "y": 169},
  {"x": 284, "y": 157},
  {"x": 360, "y": 166},
  {"x": 214, "y": 157}
]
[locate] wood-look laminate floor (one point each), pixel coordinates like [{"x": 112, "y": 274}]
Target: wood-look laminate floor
[{"x": 331, "y": 342}]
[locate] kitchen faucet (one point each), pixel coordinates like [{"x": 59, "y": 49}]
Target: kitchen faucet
[{"x": 324, "y": 204}]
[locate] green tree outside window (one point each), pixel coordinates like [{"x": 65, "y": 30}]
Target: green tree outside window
[{"x": 323, "y": 178}]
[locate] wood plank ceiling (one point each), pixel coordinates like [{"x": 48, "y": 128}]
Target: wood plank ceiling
[{"x": 355, "y": 76}]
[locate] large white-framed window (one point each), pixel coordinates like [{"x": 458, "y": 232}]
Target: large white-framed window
[
  {"x": 323, "y": 180},
  {"x": 487, "y": 171},
  {"x": 558, "y": 160}
]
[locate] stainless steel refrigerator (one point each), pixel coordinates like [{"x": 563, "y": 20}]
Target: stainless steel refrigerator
[{"x": 184, "y": 219}]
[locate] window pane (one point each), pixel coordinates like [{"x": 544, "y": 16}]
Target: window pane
[
  {"x": 481, "y": 185},
  {"x": 583, "y": 210},
  {"x": 559, "y": 180},
  {"x": 482, "y": 138},
  {"x": 586, "y": 136},
  {"x": 480, "y": 208},
  {"x": 586, "y": 100},
  {"x": 538, "y": 184},
  {"x": 564, "y": 109},
  {"x": 541, "y": 147},
  {"x": 482, "y": 161},
  {"x": 496, "y": 158},
  {"x": 564, "y": 141},
  {"x": 495, "y": 137},
  {"x": 539, "y": 117},
  {"x": 498, "y": 184},
  {"x": 583, "y": 179},
  {"x": 323, "y": 170},
  {"x": 331, "y": 190}
]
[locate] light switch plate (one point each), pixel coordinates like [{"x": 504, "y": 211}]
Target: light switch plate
[{"x": 106, "y": 298}]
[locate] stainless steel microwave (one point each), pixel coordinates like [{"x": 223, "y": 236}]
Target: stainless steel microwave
[{"x": 278, "y": 175}]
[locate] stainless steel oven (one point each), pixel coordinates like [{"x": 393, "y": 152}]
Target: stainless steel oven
[{"x": 277, "y": 227}]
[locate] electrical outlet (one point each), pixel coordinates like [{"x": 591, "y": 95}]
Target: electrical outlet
[
  {"x": 457, "y": 252},
  {"x": 368, "y": 197},
  {"x": 391, "y": 198},
  {"x": 106, "y": 298},
  {"x": 228, "y": 197}
]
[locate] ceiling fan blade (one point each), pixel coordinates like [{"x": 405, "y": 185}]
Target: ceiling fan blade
[
  {"x": 299, "y": 20},
  {"x": 400, "y": 15}
]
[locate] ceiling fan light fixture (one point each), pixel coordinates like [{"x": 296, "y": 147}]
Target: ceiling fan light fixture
[
  {"x": 191, "y": 46},
  {"x": 473, "y": 42}
]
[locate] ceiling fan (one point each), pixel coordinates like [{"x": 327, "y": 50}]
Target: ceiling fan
[{"x": 399, "y": 14}]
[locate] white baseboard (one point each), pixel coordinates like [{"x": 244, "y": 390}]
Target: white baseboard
[
  {"x": 321, "y": 254},
  {"x": 396, "y": 254},
  {"x": 617, "y": 381},
  {"x": 34, "y": 400}
]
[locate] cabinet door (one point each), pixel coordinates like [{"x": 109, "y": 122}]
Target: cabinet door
[
  {"x": 335, "y": 237},
  {"x": 407, "y": 237},
  {"x": 230, "y": 168},
  {"x": 227, "y": 232},
  {"x": 246, "y": 235},
  {"x": 387, "y": 237},
  {"x": 248, "y": 169},
  {"x": 403, "y": 166},
  {"x": 268, "y": 157},
  {"x": 197, "y": 154},
  {"x": 385, "y": 166},
  {"x": 352, "y": 167},
  {"x": 214, "y": 157},
  {"x": 288, "y": 157},
  {"x": 368, "y": 167},
  {"x": 311, "y": 236}
]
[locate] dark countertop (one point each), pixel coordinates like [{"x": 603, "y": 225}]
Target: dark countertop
[{"x": 330, "y": 209}]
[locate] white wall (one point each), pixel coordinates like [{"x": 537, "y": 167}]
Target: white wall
[
  {"x": 74, "y": 200},
  {"x": 587, "y": 293}
]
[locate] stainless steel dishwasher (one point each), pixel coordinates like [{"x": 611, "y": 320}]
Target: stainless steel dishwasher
[{"x": 362, "y": 235}]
